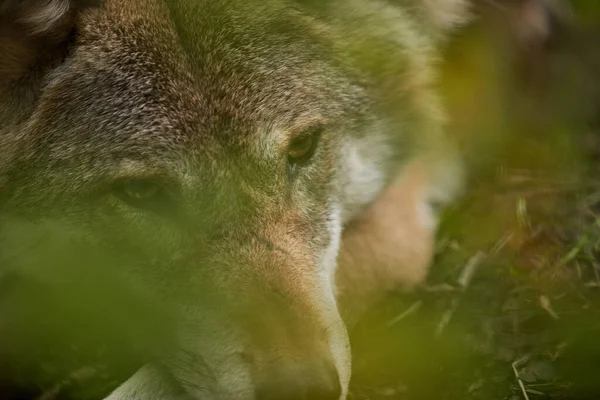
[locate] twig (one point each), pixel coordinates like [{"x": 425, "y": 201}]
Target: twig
[
  {"x": 500, "y": 244},
  {"x": 410, "y": 310},
  {"x": 522, "y": 217},
  {"x": 547, "y": 306},
  {"x": 466, "y": 275},
  {"x": 464, "y": 280},
  {"x": 518, "y": 376},
  {"x": 78, "y": 375},
  {"x": 595, "y": 268},
  {"x": 446, "y": 318}
]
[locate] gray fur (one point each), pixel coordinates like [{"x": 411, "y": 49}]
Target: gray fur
[{"x": 203, "y": 96}]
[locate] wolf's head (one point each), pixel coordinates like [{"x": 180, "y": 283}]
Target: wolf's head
[{"x": 217, "y": 148}]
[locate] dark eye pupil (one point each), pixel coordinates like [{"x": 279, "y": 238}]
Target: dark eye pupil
[
  {"x": 137, "y": 192},
  {"x": 302, "y": 148},
  {"x": 140, "y": 190}
]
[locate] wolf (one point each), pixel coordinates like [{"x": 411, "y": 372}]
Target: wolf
[{"x": 224, "y": 152}]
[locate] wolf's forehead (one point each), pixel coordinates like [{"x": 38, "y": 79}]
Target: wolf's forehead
[
  {"x": 228, "y": 60},
  {"x": 152, "y": 82}
]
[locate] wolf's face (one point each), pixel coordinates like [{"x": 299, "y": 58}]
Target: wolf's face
[{"x": 218, "y": 147}]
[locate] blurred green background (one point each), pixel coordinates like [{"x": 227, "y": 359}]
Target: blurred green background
[{"x": 512, "y": 309}]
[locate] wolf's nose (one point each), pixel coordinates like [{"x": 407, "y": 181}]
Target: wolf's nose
[{"x": 315, "y": 383}]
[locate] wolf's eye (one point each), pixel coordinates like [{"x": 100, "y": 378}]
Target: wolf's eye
[
  {"x": 140, "y": 193},
  {"x": 302, "y": 148}
]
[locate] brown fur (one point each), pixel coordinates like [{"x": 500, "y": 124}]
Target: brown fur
[
  {"x": 196, "y": 102},
  {"x": 390, "y": 246}
]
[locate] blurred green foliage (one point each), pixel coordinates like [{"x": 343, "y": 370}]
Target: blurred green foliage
[
  {"x": 526, "y": 113},
  {"x": 526, "y": 116}
]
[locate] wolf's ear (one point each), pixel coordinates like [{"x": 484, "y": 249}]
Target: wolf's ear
[
  {"x": 446, "y": 14},
  {"x": 34, "y": 33},
  {"x": 439, "y": 16}
]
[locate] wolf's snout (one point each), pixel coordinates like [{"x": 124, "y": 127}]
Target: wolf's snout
[{"x": 310, "y": 381}]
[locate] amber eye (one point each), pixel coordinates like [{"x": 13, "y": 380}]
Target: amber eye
[
  {"x": 303, "y": 147},
  {"x": 139, "y": 193}
]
